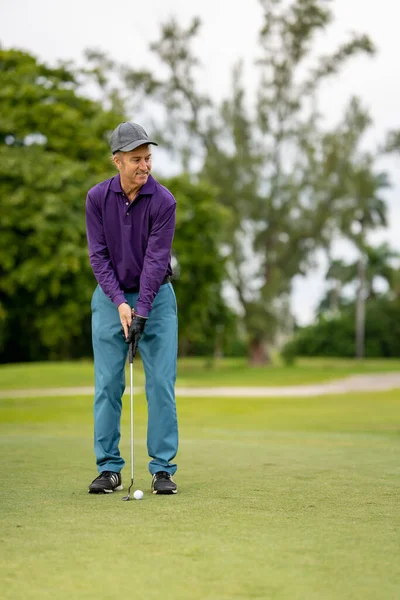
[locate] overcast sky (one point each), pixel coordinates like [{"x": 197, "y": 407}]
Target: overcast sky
[{"x": 62, "y": 30}]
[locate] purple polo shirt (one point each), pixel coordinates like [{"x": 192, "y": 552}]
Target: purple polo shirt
[{"x": 130, "y": 244}]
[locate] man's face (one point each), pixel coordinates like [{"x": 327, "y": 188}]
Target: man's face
[{"x": 134, "y": 166}]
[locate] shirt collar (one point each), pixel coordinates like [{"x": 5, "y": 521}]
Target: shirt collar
[{"x": 146, "y": 189}]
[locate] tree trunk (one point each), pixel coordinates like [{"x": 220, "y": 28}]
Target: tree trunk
[
  {"x": 183, "y": 347},
  {"x": 335, "y": 296},
  {"x": 219, "y": 339},
  {"x": 360, "y": 309},
  {"x": 258, "y": 353}
]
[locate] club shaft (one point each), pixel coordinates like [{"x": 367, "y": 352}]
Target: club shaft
[{"x": 131, "y": 414}]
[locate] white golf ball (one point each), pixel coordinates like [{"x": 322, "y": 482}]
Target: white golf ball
[{"x": 138, "y": 494}]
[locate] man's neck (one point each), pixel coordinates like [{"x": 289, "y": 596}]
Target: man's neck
[{"x": 130, "y": 191}]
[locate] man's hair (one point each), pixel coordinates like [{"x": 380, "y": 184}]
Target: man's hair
[
  {"x": 116, "y": 154},
  {"x": 119, "y": 154}
]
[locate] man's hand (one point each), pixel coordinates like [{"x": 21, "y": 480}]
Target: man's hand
[
  {"x": 125, "y": 315},
  {"x": 135, "y": 331}
]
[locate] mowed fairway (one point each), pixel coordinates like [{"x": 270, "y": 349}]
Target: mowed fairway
[
  {"x": 278, "y": 499},
  {"x": 197, "y": 372}
]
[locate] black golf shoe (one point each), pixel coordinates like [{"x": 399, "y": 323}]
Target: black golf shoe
[
  {"x": 162, "y": 483},
  {"x": 106, "y": 483}
]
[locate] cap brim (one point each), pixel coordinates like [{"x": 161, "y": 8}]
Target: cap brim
[{"x": 134, "y": 145}]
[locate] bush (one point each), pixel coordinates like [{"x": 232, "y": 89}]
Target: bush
[{"x": 335, "y": 337}]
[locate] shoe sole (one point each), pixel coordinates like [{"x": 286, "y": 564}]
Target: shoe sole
[
  {"x": 104, "y": 491},
  {"x": 165, "y": 493}
]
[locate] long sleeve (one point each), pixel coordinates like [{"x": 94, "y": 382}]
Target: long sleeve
[
  {"x": 99, "y": 255},
  {"x": 157, "y": 258}
]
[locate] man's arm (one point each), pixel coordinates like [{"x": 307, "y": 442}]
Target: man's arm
[
  {"x": 99, "y": 255},
  {"x": 157, "y": 257}
]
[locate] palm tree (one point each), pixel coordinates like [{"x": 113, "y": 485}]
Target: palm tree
[
  {"x": 381, "y": 264},
  {"x": 356, "y": 205},
  {"x": 375, "y": 263},
  {"x": 368, "y": 213},
  {"x": 338, "y": 275}
]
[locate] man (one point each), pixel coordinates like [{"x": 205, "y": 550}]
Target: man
[{"x": 130, "y": 222}]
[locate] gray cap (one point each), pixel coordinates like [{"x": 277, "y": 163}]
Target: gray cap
[{"x": 128, "y": 136}]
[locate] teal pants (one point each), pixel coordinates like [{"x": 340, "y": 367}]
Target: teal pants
[{"x": 158, "y": 350}]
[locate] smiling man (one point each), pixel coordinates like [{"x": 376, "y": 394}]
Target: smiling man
[{"x": 130, "y": 224}]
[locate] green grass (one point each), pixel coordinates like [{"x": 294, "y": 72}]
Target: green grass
[
  {"x": 237, "y": 372},
  {"x": 292, "y": 499},
  {"x": 194, "y": 372}
]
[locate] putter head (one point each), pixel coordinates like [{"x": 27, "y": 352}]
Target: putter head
[{"x": 128, "y": 497}]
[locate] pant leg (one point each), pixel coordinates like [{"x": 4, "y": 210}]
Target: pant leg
[
  {"x": 110, "y": 350},
  {"x": 158, "y": 349}
]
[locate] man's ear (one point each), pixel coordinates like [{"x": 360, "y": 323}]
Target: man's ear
[{"x": 117, "y": 160}]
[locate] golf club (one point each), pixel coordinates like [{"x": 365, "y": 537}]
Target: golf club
[{"x": 130, "y": 354}]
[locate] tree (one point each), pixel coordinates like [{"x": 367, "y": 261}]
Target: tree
[
  {"x": 364, "y": 210},
  {"x": 52, "y": 149},
  {"x": 379, "y": 266},
  {"x": 334, "y": 336},
  {"x": 291, "y": 212},
  {"x": 337, "y": 276},
  {"x": 355, "y": 207},
  {"x": 270, "y": 161},
  {"x": 279, "y": 214},
  {"x": 233, "y": 164},
  {"x": 185, "y": 114},
  {"x": 198, "y": 265}
]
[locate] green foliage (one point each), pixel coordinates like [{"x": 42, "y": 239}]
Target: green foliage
[
  {"x": 269, "y": 159},
  {"x": 52, "y": 150},
  {"x": 268, "y": 184},
  {"x": 43, "y": 106},
  {"x": 336, "y": 336},
  {"x": 380, "y": 265},
  {"x": 295, "y": 209},
  {"x": 328, "y": 337},
  {"x": 288, "y": 354},
  {"x": 200, "y": 268}
]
